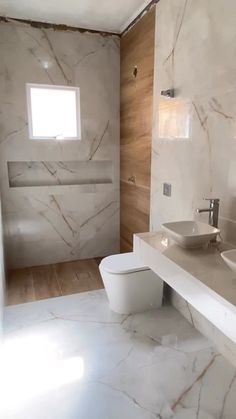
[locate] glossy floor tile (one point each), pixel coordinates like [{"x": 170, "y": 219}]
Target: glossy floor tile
[{"x": 72, "y": 358}]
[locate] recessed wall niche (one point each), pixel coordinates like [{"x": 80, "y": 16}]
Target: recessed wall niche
[{"x": 55, "y": 173}]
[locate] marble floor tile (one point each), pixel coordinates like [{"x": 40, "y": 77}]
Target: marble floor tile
[{"x": 72, "y": 358}]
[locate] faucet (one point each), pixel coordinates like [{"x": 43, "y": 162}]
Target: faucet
[{"x": 213, "y": 211}]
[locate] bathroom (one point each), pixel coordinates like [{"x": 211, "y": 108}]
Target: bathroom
[{"x": 118, "y": 214}]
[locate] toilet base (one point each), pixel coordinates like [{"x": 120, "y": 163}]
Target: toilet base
[{"x": 132, "y": 293}]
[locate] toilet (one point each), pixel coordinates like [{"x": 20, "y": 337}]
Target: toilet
[{"x": 131, "y": 287}]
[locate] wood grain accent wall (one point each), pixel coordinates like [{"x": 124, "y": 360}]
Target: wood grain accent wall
[{"x": 137, "y": 67}]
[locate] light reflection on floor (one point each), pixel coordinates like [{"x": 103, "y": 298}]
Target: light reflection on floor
[
  {"x": 72, "y": 358},
  {"x": 32, "y": 366}
]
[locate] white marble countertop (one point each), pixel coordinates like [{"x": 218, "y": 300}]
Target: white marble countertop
[{"x": 198, "y": 275}]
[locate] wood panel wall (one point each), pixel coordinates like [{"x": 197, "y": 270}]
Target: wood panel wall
[{"x": 137, "y": 67}]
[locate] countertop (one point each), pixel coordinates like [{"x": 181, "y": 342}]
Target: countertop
[{"x": 198, "y": 275}]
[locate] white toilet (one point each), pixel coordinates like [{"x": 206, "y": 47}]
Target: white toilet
[{"x": 131, "y": 287}]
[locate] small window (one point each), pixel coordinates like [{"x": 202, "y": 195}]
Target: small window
[{"x": 53, "y": 112}]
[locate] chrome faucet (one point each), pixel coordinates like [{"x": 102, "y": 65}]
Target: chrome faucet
[{"x": 213, "y": 211}]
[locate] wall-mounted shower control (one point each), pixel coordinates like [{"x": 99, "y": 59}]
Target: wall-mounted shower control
[{"x": 167, "y": 189}]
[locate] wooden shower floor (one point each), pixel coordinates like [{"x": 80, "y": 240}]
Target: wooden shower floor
[{"x": 40, "y": 282}]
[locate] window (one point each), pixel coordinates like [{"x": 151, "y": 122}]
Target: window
[{"x": 53, "y": 112}]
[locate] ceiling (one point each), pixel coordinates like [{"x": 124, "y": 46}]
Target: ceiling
[{"x": 102, "y": 15}]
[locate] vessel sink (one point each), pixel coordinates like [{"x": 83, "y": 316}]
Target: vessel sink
[
  {"x": 230, "y": 259},
  {"x": 190, "y": 234}
]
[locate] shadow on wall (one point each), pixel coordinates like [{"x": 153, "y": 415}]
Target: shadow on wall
[
  {"x": 227, "y": 222},
  {"x": 2, "y": 275},
  {"x": 232, "y": 208}
]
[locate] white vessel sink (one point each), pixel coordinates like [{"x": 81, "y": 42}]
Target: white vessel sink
[
  {"x": 190, "y": 234},
  {"x": 230, "y": 259}
]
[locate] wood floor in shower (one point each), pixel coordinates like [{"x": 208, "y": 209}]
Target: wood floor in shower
[{"x": 40, "y": 282}]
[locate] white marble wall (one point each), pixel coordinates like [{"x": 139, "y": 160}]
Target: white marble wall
[
  {"x": 225, "y": 345},
  {"x": 194, "y": 135},
  {"x": 46, "y": 224},
  {"x": 2, "y": 275}
]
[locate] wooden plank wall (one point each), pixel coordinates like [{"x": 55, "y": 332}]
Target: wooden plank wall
[{"x": 137, "y": 67}]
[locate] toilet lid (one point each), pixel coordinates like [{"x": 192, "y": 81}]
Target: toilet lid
[{"x": 122, "y": 264}]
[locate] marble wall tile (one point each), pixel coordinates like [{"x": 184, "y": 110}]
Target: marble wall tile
[
  {"x": 75, "y": 225},
  {"x": 46, "y": 224},
  {"x": 194, "y": 134},
  {"x": 225, "y": 345},
  {"x": 2, "y": 275},
  {"x": 49, "y": 173}
]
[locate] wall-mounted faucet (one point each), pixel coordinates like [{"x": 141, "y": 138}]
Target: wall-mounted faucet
[{"x": 213, "y": 211}]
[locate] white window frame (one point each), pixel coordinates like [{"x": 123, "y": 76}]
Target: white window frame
[{"x": 56, "y": 87}]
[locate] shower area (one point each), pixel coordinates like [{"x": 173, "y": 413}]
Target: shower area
[{"x": 59, "y": 193}]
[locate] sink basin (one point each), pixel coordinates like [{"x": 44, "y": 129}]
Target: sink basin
[
  {"x": 230, "y": 259},
  {"x": 190, "y": 234}
]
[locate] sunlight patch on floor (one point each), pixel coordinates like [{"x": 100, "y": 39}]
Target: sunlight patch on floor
[{"x": 33, "y": 366}]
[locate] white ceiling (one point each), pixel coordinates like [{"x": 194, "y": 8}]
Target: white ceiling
[{"x": 102, "y": 15}]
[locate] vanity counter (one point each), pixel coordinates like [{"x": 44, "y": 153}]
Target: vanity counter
[{"x": 200, "y": 276}]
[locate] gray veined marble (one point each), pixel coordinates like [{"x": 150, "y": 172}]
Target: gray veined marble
[
  {"x": 194, "y": 134},
  {"x": 202, "y": 287},
  {"x": 56, "y": 221},
  {"x": 71, "y": 234},
  {"x": 71, "y": 357},
  {"x": 2, "y": 275},
  {"x": 45, "y": 173}
]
